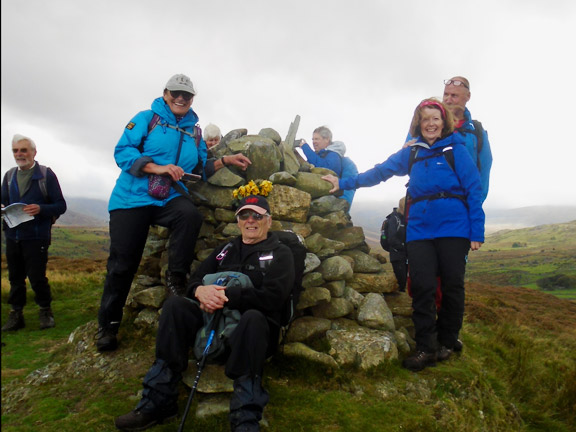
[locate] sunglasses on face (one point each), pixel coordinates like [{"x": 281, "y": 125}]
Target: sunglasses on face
[
  {"x": 185, "y": 95},
  {"x": 245, "y": 215},
  {"x": 456, "y": 83},
  {"x": 22, "y": 150}
]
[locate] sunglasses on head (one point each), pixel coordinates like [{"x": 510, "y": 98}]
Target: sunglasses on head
[
  {"x": 185, "y": 95},
  {"x": 456, "y": 83},
  {"x": 249, "y": 213}
]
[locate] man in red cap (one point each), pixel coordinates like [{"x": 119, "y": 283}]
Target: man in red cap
[{"x": 254, "y": 339}]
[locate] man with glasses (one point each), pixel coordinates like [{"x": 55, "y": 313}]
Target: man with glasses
[
  {"x": 456, "y": 96},
  {"x": 158, "y": 147},
  {"x": 252, "y": 342},
  {"x": 37, "y": 187}
]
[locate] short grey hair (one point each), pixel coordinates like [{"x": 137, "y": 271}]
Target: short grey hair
[
  {"x": 212, "y": 131},
  {"x": 17, "y": 138},
  {"x": 324, "y": 132}
]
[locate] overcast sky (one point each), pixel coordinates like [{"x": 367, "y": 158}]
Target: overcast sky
[{"x": 74, "y": 72}]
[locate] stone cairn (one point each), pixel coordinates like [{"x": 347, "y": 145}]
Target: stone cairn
[{"x": 350, "y": 299}]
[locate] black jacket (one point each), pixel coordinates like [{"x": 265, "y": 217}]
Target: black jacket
[{"x": 272, "y": 286}]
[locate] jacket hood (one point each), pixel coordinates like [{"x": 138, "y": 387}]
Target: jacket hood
[{"x": 337, "y": 147}]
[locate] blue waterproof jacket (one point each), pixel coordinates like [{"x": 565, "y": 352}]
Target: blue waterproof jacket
[
  {"x": 324, "y": 159},
  {"x": 482, "y": 159},
  {"x": 160, "y": 147},
  {"x": 40, "y": 228},
  {"x": 434, "y": 218}
]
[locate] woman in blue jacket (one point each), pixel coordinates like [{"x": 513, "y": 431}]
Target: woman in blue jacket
[
  {"x": 159, "y": 141},
  {"x": 446, "y": 220}
]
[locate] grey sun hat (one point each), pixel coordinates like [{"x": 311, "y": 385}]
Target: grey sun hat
[{"x": 180, "y": 83}]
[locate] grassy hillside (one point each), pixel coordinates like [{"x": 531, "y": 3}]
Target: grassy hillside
[
  {"x": 516, "y": 373},
  {"x": 523, "y": 258}
]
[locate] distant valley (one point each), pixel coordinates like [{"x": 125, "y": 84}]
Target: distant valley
[{"x": 369, "y": 215}]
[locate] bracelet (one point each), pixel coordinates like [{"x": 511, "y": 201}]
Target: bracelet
[{"x": 222, "y": 160}]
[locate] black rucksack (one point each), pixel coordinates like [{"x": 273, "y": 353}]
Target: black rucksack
[
  {"x": 478, "y": 131},
  {"x": 384, "y": 239}
]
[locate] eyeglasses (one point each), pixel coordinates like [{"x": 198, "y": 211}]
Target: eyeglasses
[
  {"x": 456, "y": 83},
  {"x": 185, "y": 95},
  {"x": 245, "y": 215},
  {"x": 22, "y": 150}
]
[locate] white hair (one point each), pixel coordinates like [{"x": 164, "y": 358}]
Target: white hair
[
  {"x": 17, "y": 138},
  {"x": 212, "y": 131}
]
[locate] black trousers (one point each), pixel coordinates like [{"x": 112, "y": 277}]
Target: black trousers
[
  {"x": 28, "y": 258},
  {"x": 401, "y": 272},
  {"x": 251, "y": 343},
  {"x": 445, "y": 257},
  {"x": 128, "y": 233}
]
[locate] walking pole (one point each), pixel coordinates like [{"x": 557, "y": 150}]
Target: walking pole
[{"x": 201, "y": 363}]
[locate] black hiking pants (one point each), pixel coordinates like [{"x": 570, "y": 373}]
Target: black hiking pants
[
  {"x": 128, "y": 234},
  {"x": 251, "y": 343},
  {"x": 444, "y": 257},
  {"x": 28, "y": 258}
]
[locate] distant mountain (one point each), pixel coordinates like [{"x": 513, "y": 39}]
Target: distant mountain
[
  {"x": 85, "y": 212},
  {"x": 369, "y": 215}
]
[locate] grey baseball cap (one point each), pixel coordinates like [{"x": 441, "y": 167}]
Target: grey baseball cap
[{"x": 180, "y": 83}]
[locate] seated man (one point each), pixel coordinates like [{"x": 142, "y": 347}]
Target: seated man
[{"x": 254, "y": 339}]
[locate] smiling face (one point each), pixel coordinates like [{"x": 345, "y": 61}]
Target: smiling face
[
  {"x": 431, "y": 124},
  {"x": 178, "y": 105},
  {"x": 24, "y": 154},
  {"x": 319, "y": 142},
  {"x": 252, "y": 229}
]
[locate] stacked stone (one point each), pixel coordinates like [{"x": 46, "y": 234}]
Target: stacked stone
[{"x": 351, "y": 299}]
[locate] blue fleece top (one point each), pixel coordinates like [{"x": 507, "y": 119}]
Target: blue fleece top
[
  {"x": 160, "y": 147},
  {"x": 324, "y": 159},
  {"x": 444, "y": 217}
]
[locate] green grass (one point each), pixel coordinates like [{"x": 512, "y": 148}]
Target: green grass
[{"x": 516, "y": 373}]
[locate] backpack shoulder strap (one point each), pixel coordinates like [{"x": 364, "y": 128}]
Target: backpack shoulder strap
[
  {"x": 42, "y": 181},
  {"x": 448, "y": 153},
  {"x": 10, "y": 176},
  {"x": 413, "y": 155},
  {"x": 151, "y": 125},
  {"x": 479, "y": 132}
]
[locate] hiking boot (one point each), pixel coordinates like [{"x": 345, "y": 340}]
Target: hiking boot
[
  {"x": 106, "y": 340},
  {"x": 138, "y": 420},
  {"x": 419, "y": 361},
  {"x": 458, "y": 346},
  {"x": 46, "y": 318},
  {"x": 444, "y": 353},
  {"x": 15, "y": 321},
  {"x": 252, "y": 426},
  {"x": 175, "y": 283}
]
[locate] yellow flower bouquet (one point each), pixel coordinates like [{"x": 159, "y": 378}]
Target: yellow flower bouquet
[{"x": 252, "y": 188}]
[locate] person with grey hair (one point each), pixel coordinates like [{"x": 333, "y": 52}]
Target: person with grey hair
[
  {"x": 212, "y": 135},
  {"x": 37, "y": 187},
  {"x": 331, "y": 155}
]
